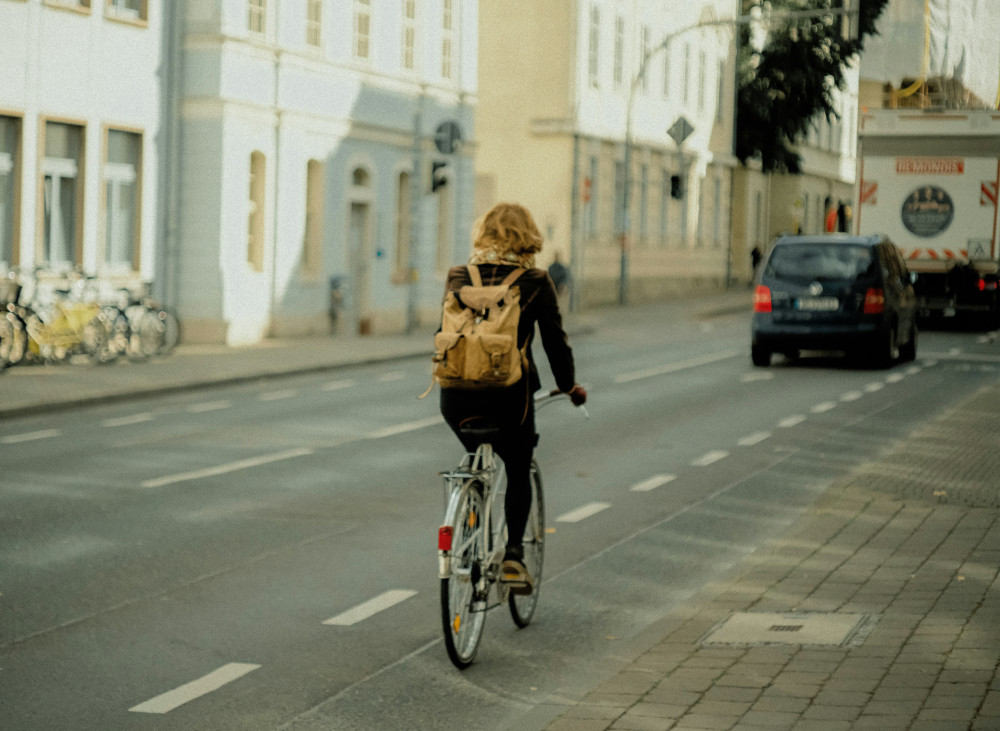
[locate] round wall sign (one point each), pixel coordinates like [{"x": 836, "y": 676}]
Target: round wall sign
[{"x": 927, "y": 211}]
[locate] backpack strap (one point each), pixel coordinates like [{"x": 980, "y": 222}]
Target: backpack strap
[{"x": 477, "y": 279}]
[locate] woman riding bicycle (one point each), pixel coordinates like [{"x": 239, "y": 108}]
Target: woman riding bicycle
[{"x": 504, "y": 239}]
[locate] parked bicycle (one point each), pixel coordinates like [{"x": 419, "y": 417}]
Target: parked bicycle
[{"x": 472, "y": 542}]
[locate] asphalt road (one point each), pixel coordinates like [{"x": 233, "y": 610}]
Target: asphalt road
[{"x": 263, "y": 556}]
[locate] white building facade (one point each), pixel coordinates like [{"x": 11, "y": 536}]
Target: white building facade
[
  {"x": 80, "y": 119},
  {"x": 267, "y": 165},
  {"x": 307, "y": 136}
]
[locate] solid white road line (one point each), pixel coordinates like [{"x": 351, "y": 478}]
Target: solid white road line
[
  {"x": 789, "y": 421},
  {"x": 652, "y": 483},
  {"x": 585, "y": 511},
  {"x": 278, "y": 395},
  {"x": 391, "y": 431},
  {"x": 29, "y": 436},
  {"x": 710, "y": 458},
  {"x": 195, "y": 689},
  {"x": 823, "y": 407},
  {"x": 128, "y": 420},
  {"x": 372, "y": 606},
  {"x": 225, "y": 468},
  {"x": 674, "y": 367},
  {"x": 756, "y": 438},
  {"x": 208, "y": 406}
]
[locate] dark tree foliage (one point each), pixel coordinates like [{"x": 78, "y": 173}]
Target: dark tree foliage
[{"x": 787, "y": 84}]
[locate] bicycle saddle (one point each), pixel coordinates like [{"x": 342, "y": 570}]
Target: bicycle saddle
[{"x": 484, "y": 428}]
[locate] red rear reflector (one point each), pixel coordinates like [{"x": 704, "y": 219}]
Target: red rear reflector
[
  {"x": 874, "y": 301},
  {"x": 762, "y": 299},
  {"x": 444, "y": 538}
]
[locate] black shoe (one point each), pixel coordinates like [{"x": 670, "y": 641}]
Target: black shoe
[{"x": 514, "y": 574}]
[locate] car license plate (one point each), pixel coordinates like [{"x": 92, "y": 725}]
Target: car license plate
[{"x": 817, "y": 304}]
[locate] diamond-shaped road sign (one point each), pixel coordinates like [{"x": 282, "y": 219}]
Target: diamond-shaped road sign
[{"x": 680, "y": 130}]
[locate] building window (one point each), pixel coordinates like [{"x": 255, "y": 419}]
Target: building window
[
  {"x": 619, "y": 51},
  {"x": 721, "y": 86},
  {"x": 409, "y": 34},
  {"x": 362, "y": 29},
  {"x": 643, "y": 50},
  {"x": 643, "y": 203},
  {"x": 255, "y": 228},
  {"x": 664, "y": 205},
  {"x": 593, "y": 51},
  {"x": 10, "y": 164},
  {"x": 666, "y": 75},
  {"x": 314, "y": 23},
  {"x": 312, "y": 241},
  {"x": 687, "y": 73},
  {"x": 702, "y": 80},
  {"x": 134, "y": 10},
  {"x": 62, "y": 192},
  {"x": 403, "y": 229},
  {"x": 257, "y": 16},
  {"x": 82, "y": 5},
  {"x": 447, "y": 38},
  {"x": 122, "y": 176}
]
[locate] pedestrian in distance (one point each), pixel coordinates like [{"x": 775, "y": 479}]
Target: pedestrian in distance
[{"x": 504, "y": 240}]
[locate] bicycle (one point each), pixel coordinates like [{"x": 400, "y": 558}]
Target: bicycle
[{"x": 472, "y": 541}]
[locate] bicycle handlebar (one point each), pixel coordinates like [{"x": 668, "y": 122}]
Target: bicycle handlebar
[{"x": 544, "y": 399}]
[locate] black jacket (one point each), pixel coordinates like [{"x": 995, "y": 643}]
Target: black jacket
[{"x": 538, "y": 307}]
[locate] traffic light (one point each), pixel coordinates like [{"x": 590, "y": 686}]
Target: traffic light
[
  {"x": 437, "y": 176},
  {"x": 676, "y": 191}
]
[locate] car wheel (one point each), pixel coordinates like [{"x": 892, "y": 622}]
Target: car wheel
[
  {"x": 908, "y": 352},
  {"x": 760, "y": 356},
  {"x": 888, "y": 351}
]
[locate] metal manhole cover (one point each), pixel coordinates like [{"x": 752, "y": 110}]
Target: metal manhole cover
[{"x": 790, "y": 628}]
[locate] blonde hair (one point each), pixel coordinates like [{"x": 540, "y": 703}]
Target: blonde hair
[{"x": 507, "y": 232}]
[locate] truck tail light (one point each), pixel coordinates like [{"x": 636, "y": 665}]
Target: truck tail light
[
  {"x": 762, "y": 299},
  {"x": 874, "y": 301},
  {"x": 444, "y": 538},
  {"x": 986, "y": 286}
]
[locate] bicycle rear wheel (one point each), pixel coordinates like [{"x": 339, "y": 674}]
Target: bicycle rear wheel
[
  {"x": 463, "y": 605},
  {"x": 522, "y": 606}
]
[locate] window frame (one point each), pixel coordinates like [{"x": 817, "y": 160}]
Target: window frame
[
  {"x": 361, "y": 31},
  {"x": 134, "y": 259},
  {"x": 114, "y": 13},
  {"x": 76, "y": 255},
  {"x": 14, "y": 170}
]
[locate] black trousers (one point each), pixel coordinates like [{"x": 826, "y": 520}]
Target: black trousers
[{"x": 514, "y": 410}]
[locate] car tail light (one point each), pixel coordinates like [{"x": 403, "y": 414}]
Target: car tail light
[
  {"x": 444, "y": 538},
  {"x": 874, "y": 301},
  {"x": 762, "y": 299},
  {"x": 984, "y": 286}
]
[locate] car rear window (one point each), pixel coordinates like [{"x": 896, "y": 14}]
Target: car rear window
[{"x": 820, "y": 261}]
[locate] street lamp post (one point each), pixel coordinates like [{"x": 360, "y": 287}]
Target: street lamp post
[{"x": 848, "y": 12}]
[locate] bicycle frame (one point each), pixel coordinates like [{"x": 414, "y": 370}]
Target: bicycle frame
[{"x": 482, "y": 468}]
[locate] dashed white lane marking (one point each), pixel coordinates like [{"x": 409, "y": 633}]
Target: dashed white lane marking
[
  {"x": 674, "y": 367},
  {"x": 756, "y": 438},
  {"x": 195, "y": 689},
  {"x": 226, "y": 468},
  {"x": 751, "y": 377},
  {"x": 913, "y": 370},
  {"x": 391, "y": 431},
  {"x": 128, "y": 420},
  {"x": 278, "y": 395},
  {"x": 823, "y": 407},
  {"x": 390, "y": 377},
  {"x": 337, "y": 385},
  {"x": 29, "y": 436},
  {"x": 583, "y": 512},
  {"x": 894, "y": 378},
  {"x": 652, "y": 483},
  {"x": 789, "y": 421},
  {"x": 208, "y": 406},
  {"x": 372, "y": 606},
  {"x": 873, "y": 387},
  {"x": 851, "y": 396},
  {"x": 710, "y": 458}
]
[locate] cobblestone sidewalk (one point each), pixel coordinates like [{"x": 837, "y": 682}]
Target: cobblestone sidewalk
[{"x": 909, "y": 547}]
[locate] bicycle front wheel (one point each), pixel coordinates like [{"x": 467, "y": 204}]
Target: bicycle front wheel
[
  {"x": 463, "y": 592},
  {"x": 522, "y": 606}
]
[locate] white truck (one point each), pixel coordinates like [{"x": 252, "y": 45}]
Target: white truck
[{"x": 928, "y": 179}]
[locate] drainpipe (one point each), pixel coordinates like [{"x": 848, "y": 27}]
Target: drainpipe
[
  {"x": 275, "y": 217},
  {"x": 166, "y": 269},
  {"x": 574, "y": 224}
]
